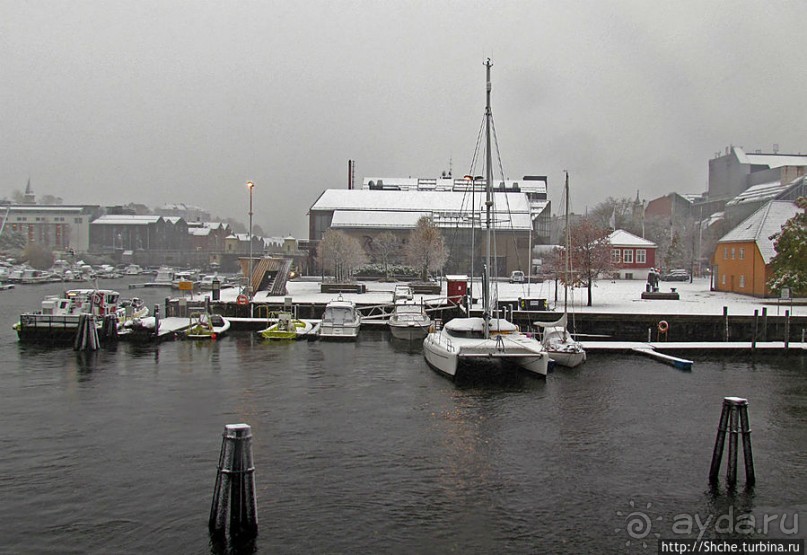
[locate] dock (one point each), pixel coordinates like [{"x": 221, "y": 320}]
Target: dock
[{"x": 655, "y": 350}]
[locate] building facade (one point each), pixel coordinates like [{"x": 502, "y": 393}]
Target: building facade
[
  {"x": 741, "y": 260},
  {"x": 57, "y": 227},
  {"x": 632, "y": 256}
]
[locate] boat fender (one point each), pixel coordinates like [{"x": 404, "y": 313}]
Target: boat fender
[{"x": 663, "y": 326}]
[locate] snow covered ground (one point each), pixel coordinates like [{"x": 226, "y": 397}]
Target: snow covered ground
[{"x": 620, "y": 296}]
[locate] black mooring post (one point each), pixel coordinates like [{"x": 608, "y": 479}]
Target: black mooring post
[
  {"x": 787, "y": 329},
  {"x": 234, "y": 500},
  {"x": 726, "y": 321},
  {"x": 720, "y": 442},
  {"x": 731, "y": 472},
  {"x": 754, "y": 334},
  {"x": 764, "y": 323},
  {"x": 156, "y": 322},
  {"x": 745, "y": 430},
  {"x": 734, "y": 421}
]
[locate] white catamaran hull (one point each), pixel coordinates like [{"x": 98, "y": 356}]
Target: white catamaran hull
[{"x": 449, "y": 354}]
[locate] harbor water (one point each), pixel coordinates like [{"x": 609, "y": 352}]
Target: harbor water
[{"x": 362, "y": 448}]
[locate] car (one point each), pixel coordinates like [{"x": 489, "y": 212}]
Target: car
[
  {"x": 676, "y": 275},
  {"x": 516, "y": 276}
]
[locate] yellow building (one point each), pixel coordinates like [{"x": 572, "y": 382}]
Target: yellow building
[{"x": 741, "y": 261}]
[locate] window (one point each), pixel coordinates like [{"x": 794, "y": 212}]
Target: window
[
  {"x": 732, "y": 253},
  {"x": 76, "y": 220},
  {"x": 742, "y": 255},
  {"x": 615, "y": 256},
  {"x": 723, "y": 280},
  {"x": 627, "y": 256},
  {"x": 742, "y": 281},
  {"x": 725, "y": 253},
  {"x": 641, "y": 256}
]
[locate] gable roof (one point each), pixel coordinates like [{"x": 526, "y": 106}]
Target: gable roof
[
  {"x": 126, "y": 219},
  {"x": 373, "y": 208},
  {"x": 759, "y": 226},
  {"x": 622, "y": 238}
]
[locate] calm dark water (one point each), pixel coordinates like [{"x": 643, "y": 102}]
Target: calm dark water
[{"x": 361, "y": 448}]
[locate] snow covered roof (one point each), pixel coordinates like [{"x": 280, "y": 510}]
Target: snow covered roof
[
  {"x": 621, "y": 238},
  {"x": 43, "y": 208},
  {"x": 770, "y": 160},
  {"x": 126, "y": 219},
  {"x": 373, "y": 208},
  {"x": 450, "y": 184},
  {"x": 199, "y": 231},
  {"x": 757, "y": 193},
  {"x": 760, "y": 225},
  {"x": 375, "y": 219}
]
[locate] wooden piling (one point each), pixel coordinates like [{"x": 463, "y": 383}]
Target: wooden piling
[
  {"x": 754, "y": 333},
  {"x": 734, "y": 421},
  {"x": 787, "y": 330},
  {"x": 86, "y": 334},
  {"x": 764, "y": 323},
  {"x": 726, "y": 322},
  {"x": 156, "y": 322},
  {"x": 234, "y": 507}
]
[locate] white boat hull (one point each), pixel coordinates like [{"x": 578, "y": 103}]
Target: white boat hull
[
  {"x": 568, "y": 359},
  {"x": 408, "y": 332},
  {"x": 347, "y": 332},
  {"x": 450, "y": 354}
]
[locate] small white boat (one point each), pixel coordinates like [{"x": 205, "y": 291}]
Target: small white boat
[
  {"x": 207, "y": 326},
  {"x": 409, "y": 321},
  {"x": 559, "y": 343},
  {"x": 287, "y": 328},
  {"x": 341, "y": 320},
  {"x": 163, "y": 278}
]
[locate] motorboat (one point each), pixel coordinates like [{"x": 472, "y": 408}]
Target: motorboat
[
  {"x": 287, "y": 327},
  {"x": 479, "y": 341},
  {"x": 59, "y": 316},
  {"x": 409, "y": 321},
  {"x": 207, "y": 326},
  {"x": 341, "y": 320},
  {"x": 163, "y": 278}
]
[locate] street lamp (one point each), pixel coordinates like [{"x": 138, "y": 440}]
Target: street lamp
[{"x": 251, "y": 186}]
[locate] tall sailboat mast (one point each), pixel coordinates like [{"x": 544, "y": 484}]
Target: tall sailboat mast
[
  {"x": 488, "y": 200},
  {"x": 568, "y": 247}
]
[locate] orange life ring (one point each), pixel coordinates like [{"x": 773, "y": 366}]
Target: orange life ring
[
  {"x": 663, "y": 326},
  {"x": 241, "y": 299}
]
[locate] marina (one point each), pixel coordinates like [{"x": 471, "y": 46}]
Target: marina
[{"x": 363, "y": 437}]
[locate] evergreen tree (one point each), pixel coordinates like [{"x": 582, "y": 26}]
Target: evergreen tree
[{"x": 789, "y": 266}]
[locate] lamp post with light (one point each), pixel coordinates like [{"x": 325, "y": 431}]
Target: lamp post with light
[{"x": 251, "y": 186}]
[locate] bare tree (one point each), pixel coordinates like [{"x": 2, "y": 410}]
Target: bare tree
[
  {"x": 590, "y": 253},
  {"x": 386, "y": 246},
  {"x": 342, "y": 253},
  {"x": 426, "y": 249}
]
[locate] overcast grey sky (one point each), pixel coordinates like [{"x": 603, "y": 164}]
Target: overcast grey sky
[{"x": 166, "y": 101}]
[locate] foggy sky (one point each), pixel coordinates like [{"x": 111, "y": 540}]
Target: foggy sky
[{"x": 169, "y": 101}]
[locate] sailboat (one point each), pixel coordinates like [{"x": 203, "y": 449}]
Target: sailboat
[
  {"x": 474, "y": 341},
  {"x": 556, "y": 339}
]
